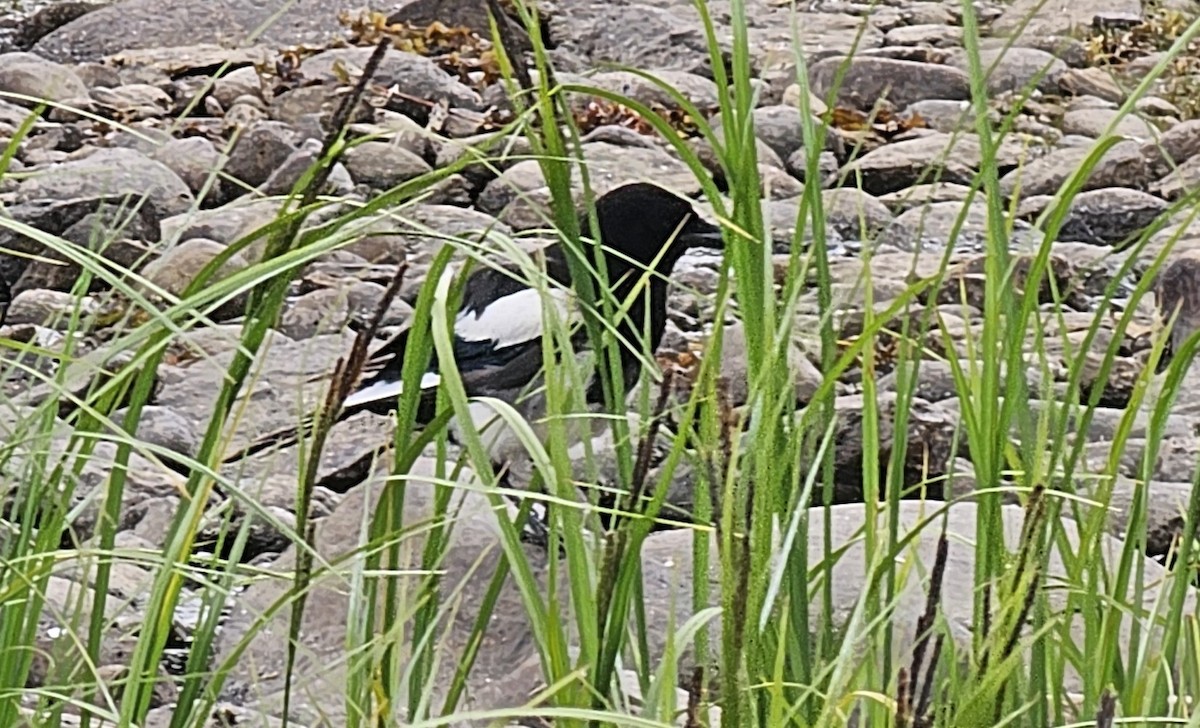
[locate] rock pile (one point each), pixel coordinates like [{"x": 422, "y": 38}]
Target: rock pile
[{"x": 175, "y": 130}]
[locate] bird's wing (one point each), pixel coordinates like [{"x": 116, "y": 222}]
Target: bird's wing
[{"x": 497, "y": 340}]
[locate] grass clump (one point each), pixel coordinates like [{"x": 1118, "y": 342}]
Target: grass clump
[{"x": 767, "y": 638}]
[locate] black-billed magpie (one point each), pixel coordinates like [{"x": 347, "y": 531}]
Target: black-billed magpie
[{"x": 498, "y": 329}]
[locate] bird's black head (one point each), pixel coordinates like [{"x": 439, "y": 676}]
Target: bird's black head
[{"x": 638, "y": 219}]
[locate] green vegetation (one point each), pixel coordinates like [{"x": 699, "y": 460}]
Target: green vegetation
[{"x": 767, "y": 660}]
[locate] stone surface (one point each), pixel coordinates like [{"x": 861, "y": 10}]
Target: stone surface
[{"x": 109, "y": 172}]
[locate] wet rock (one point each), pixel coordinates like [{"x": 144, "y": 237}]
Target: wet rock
[
  {"x": 110, "y": 172},
  {"x": 866, "y": 80}
]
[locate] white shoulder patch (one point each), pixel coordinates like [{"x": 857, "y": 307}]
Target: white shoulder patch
[
  {"x": 511, "y": 320},
  {"x": 389, "y": 389}
]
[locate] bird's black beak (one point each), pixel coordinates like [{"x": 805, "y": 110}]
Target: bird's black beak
[{"x": 700, "y": 233}]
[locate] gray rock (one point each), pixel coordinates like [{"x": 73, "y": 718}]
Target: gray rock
[
  {"x": 1036, "y": 19},
  {"x": 776, "y": 184},
  {"x": 636, "y": 35},
  {"x": 508, "y": 669},
  {"x": 946, "y": 116},
  {"x": 411, "y": 74},
  {"x": 142, "y": 24},
  {"x": 924, "y": 194},
  {"x": 112, "y": 172},
  {"x": 178, "y": 267},
  {"x": 133, "y": 101},
  {"x": 827, "y": 167},
  {"x": 1091, "y": 81},
  {"x": 933, "y": 224},
  {"x": 119, "y": 237},
  {"x": 1121, "y": 166},
  {"x": 416, "y": 230},
  {"x": 42, "y": 307},
  {"x": 225, "y": 224},
  {"x": 1093, "y": 122},
  {"x": 933, "y": 158},
  {"x": 1015, "y": 69},
  {"x": 1110, "y": 215},
  {"x": 780, "y": 128},
  {"x": 330, "y": 311},
  {"x": 697, "y": 89},
  {"x": 937, "y": 35},
  {"x": 381, "y": 165},
  {"x": 854, "y": 214},
  {"x": 1180, "y": 181},
  {"x": 735, "y": 368},
  {"x": 323, "y": 311},
  {"x": 194, "y": 159},
  {"x": 30, "y": 75},
  {"x": 520, "y": 196},
  {"x": 866, "y": 80},
  {"x": 165, "y": 428},
  {"x": 239, "y": 82},
  {"x": 1176, "y": 146},
  {"x": 280, "y": 393},
  {"x": 260, "y": 151},
  {"x": 284, "y": 179}
]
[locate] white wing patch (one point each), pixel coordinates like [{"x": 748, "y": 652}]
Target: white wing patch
[
  {"x": 388, "y": 390},
  {"x": 511, "y": 320}
]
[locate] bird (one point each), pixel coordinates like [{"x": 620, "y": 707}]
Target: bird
[
  {"x": 498, "y": 336},
  {"x": 5, "y": 299},
  {"x": 1177, "y": 287}
]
